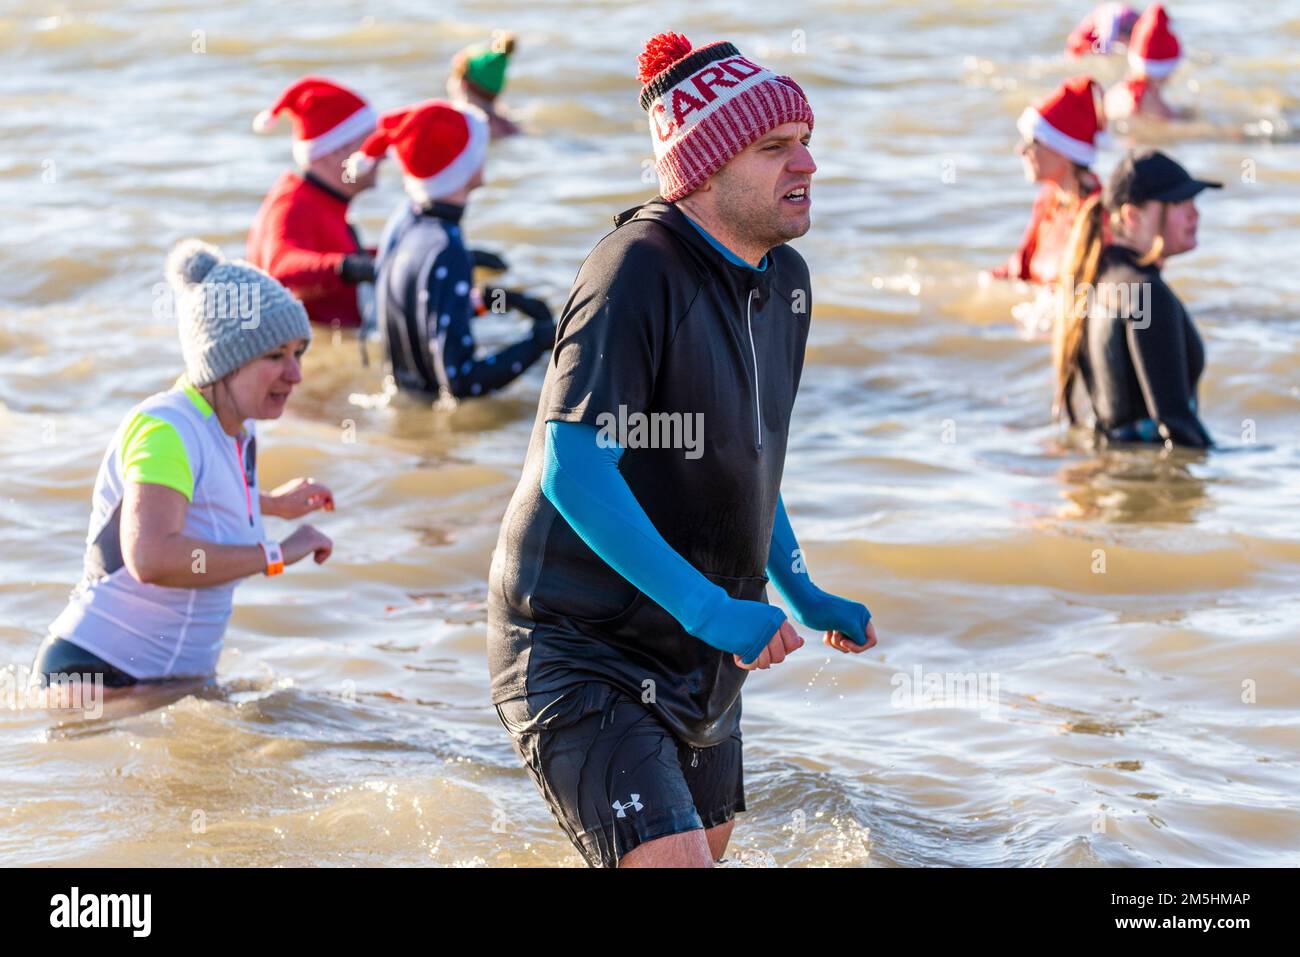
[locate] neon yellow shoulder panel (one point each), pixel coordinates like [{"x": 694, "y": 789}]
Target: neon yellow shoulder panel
[{"x": 152, "y": 453}]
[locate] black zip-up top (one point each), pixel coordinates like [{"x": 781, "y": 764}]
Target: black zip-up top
[
  {"x": 658, "y": 321},
  {"x": 1138, "y": 375}
]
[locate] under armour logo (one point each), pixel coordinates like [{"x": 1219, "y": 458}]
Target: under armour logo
[{"x": 635, "y": 804}]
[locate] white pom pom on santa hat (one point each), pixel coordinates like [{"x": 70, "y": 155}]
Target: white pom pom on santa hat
[
  {"x": 263, "y": 122},
  {"x": 358, "y": 165}
]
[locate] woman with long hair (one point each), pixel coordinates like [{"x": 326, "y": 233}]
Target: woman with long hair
[{"x": 1126, "y": 354}]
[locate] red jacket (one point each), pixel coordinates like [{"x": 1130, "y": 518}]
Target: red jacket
[
  {"x": 300, "y": 236},
  {"x": 1043, "y": 245}
]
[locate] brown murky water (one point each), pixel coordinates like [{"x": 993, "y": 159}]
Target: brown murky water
[{"x": 1144, "y": 714}]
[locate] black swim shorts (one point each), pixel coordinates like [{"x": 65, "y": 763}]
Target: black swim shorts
[
  {"x": 613, "y": 775},
  {"x": 58, "y": 656}
]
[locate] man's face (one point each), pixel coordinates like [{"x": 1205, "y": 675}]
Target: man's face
[
  {"x": 331, "y": 168},
  {"x": 765, "y": 191}
]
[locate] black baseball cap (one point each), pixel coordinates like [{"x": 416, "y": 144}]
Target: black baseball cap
[{"x": 1147, "y": 174}]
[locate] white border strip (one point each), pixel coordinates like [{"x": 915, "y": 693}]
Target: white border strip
[
  {"x": 360, "y": 123},
  {"x": 1156, "y": 69},
  {"x": 1032, "y": 126}
]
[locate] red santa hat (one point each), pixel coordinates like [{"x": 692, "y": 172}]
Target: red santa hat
[
  {"x": 1101, "y": 29},
  {"x": 1153, "y": 50},
  {"x": 325, "y": 117},
  {"x": 438, "y": 146},
  {"x": 1068, "y": 121}
]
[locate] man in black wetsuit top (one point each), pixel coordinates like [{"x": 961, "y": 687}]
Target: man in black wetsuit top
[{"x": 627, "y": 598}]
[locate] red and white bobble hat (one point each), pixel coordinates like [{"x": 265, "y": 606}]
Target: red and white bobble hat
[
  {"x": 1153, "y": 49},
  {"x": 708, "y": 104},
  {"x": 1068, "y": 121},
  {"x": 439, "y": 147},
  {"x": 325, "y": 117}
]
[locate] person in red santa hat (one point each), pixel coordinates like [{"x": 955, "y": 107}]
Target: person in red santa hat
[
  {"x": 425, "y": 296},
  {"x": 301, "y": 234},
  {"x": 1153, "y": 54},
  {"x": 1107, "y": 27},
  {"x": 1058, "y": 148}
]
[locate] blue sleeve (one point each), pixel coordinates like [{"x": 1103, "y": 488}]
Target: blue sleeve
[
  {"x": 810, "y": 605},
  {"x": 582, "y": 480},
  {"x": 450, "y": 307}
]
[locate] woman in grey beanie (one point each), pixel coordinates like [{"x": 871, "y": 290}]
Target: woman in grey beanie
[{"x": 177, "y": 512}]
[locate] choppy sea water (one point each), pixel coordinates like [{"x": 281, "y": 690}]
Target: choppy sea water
[{"x": 1143, "y": 714}]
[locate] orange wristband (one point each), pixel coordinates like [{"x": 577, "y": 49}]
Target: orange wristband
[{"x": 274, "y": 558}]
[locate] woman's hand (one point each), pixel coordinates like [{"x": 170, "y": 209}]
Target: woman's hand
[
  {"x": 305, "y": 541},
  {"x": 297, "y": 498}
]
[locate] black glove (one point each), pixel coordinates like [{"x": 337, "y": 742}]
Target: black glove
[
  {"x": 357, "y": 268},
  {"x": 534, "y": 308},
  {"x": 483, "y": 259}
]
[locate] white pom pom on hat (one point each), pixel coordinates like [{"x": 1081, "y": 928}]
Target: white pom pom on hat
[
  {"x": 263, "y": 122},
  {"x": 359, "y": 164},
  {"x": 189, "y": 263}
]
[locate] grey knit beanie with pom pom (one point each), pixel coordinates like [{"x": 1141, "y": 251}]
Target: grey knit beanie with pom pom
[{"x": 229, "y": 312}]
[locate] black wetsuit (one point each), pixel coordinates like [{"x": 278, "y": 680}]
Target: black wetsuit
[
  {"x": 58, "y": 656},
  {"x": 424, "y": 306},
  {"x": 628, "y": 723},
  {"x": 657, "y": 320},
  {"x": 1140, "y": 359}
]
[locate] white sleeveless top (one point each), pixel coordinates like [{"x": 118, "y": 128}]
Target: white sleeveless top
[{"x": 153, "y": 631}]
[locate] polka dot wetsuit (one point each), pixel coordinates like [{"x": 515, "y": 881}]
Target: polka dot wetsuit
[{"x": 424, "y": 306}]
